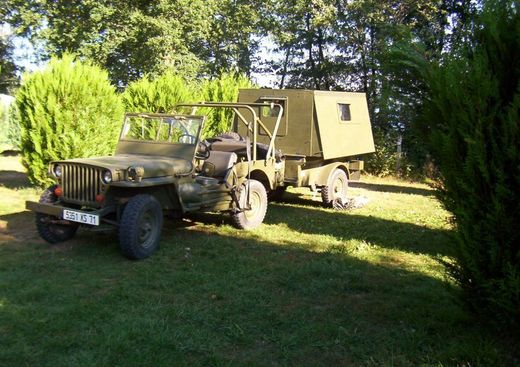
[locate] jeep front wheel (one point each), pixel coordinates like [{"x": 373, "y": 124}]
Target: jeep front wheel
[
  {"x": 140, "y": 227},
  {"x": 336, "y": 188},
  {"x": 252, "y": 214},
  {"x": 50, "y": 228}
]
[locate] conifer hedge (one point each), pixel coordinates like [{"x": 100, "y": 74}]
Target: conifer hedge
[
  {"x": 222, "y": 89},
  {"x": 69, "y": 109},
  {"x": 471, "y": 121},
  {"x": 161, "y": 94}
]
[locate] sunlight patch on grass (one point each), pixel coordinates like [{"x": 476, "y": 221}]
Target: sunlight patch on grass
[
  {"x": 416, "y": 263},
  {"x": 310, "y": 287},
  {"x": 13, "y": 200}
]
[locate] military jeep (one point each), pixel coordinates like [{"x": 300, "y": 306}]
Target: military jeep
[{"x": 160, "y": 164}]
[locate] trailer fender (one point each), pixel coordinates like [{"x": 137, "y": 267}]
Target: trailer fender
[
  {"x": 328, "y": 171},
  {"x": 320, "y": 176}
]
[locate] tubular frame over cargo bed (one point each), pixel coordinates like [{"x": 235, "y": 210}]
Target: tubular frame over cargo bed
[{"x": 315, "y": 124}]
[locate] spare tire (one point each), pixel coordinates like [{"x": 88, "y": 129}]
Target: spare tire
[{"x": 231, "y": 135}]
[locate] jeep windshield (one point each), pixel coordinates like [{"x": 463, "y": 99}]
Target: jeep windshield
[{"x": 162, "y": 129}]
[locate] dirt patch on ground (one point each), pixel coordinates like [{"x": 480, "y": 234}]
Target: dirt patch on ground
[{"x": 18, "y": 227}]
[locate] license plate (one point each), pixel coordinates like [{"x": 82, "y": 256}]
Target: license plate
[{"x": 81, "y": 217}]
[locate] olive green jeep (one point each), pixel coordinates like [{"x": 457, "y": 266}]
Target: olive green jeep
[{"x": 161, "y": 164}]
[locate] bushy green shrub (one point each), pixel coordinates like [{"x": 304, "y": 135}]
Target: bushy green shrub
[
  {"x": 4, "y": 127},
  {"x": 158, "y": 95},
  {"x": 471, "y": 123},
  {"x": 69, "y": 109},
  {"x": 383, "y": 161},
  {"x": 222, "y": 89},
  {"x": 13, "y": 132}
]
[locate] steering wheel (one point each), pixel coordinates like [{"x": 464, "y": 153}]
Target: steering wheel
[
  {"x": 187, "y": 139},
  {"x": 202, "y": 151}
]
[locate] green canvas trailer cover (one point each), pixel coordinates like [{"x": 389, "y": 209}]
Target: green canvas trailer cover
[{"x": 320, "y": 124}]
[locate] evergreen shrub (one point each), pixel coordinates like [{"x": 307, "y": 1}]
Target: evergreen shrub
[
  {"x": 471, "y": 123},
  {"x": 222, "y": 89},
  {"x": 159, "y": 95},
  {"x": 69, "y": 109}
]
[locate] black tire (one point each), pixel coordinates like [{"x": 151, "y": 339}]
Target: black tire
[
  {"x": 250, "y": 219},
  {"x": 336, "y": 187},
  {"x": 52, "y": 232},
  {"x": 231, "y": 135},
  {"x": 140, "y": 227}
]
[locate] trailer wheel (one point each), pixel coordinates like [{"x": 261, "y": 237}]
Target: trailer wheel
[
  {"x": 140, "y": 227},
  {"x": 252, "y": 218},
  {"x": 49, "y": 231},
  {"x": 336, "y": 188}
]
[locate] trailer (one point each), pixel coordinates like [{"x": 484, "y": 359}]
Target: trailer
[{"x": 320, "y": 136}]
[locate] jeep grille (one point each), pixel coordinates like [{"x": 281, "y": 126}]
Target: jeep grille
[{"x": 81, "y": 183}]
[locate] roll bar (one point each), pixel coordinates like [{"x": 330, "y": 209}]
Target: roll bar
[{"x": 236, "y": 106}]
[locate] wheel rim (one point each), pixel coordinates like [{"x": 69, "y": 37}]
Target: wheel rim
[
  {"x": 255, "y": 202},
  {"x": 147, "y": 229},
  {"x": 338, "y": 188}
]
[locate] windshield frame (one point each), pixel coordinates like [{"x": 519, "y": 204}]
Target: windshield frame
[{"x": 159, "y": 118}]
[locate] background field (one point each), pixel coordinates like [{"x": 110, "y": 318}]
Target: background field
[{"x": 312, "y": 286}]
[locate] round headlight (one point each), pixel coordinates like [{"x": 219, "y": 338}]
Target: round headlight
[
  {"x": 135, "y": 173},
  {"x": 58, "y": 170},
  {"x": 107, "y": 177}
]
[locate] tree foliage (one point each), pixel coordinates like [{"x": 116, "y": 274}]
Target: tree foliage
[
  {"x": 471, "y": 122},
  {"x": 8, "y": 69},
  {"x": 222, "y": 89},
  {"x": 159, "y": 95},
  {"x": 319, "y": 44},
  {"x": 132, "y": 39},
  {"x": 162, "y": 93},
  {"x": 67, "y": 110}
]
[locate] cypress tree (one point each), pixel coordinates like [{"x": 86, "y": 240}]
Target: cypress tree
[
  {"x": 69, "y": 109},
  {"x": 222, "y": 89},
  {"x": 471, "y": 121},
  {"x": 159, "y": 95}
]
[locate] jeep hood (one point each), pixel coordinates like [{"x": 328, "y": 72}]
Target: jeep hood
[{"x": 154, "y": 166}]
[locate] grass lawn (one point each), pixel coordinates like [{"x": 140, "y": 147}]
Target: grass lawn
[{"x": 310, "y": 287}]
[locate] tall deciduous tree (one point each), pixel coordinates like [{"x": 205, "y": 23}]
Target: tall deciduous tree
[
  {"x": 128, "y": 38},
  {"x": 8, "y": 69},
  {"x": 234, "y": 36}
]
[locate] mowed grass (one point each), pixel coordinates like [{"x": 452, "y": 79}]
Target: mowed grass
[{"x": 310, "y": 287}]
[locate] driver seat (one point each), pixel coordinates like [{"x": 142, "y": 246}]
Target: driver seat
[{"x": 218, "y": 164}]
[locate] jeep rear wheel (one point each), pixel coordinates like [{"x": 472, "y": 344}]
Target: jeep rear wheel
[
  {"x": 47, "y": 225},
  {"x": 140, "y": 227},
  {"x": 251, "y": 215},
  {"x": 336, "y": 188}
]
